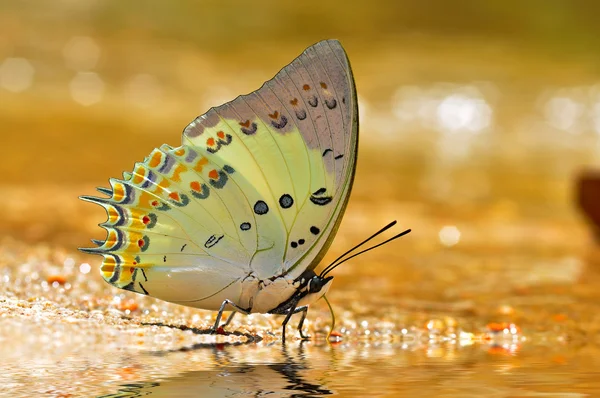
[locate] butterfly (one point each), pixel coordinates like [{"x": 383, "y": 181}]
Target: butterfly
[{"x": 239, "y": 216}]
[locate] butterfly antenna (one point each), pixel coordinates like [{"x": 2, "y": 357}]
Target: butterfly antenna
[
  {"x": 382, "y": 230},
  {"x": 334, "y": 265},
  {"x": 390, "y": 225}
]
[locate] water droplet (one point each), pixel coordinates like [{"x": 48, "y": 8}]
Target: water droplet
[{"x": 85, "y": 268}]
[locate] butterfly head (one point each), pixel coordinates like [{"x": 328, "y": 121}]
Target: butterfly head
[
  {"x": 312, "y": 287},
  {"x": 318, "y": 284}
]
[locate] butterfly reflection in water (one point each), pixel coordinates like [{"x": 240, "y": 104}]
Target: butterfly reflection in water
[{"x": 239, "y": 216}]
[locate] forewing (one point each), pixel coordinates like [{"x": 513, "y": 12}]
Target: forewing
[{"x": 294, "y": 150}]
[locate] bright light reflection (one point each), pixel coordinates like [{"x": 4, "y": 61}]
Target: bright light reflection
[
  {"x": 16, "y": 74},
  {"x": 563, "y": 113},
  {"x": 445, "y": 107},
  {"x": 86, "y": 88},
  {"x": 449, "y": 235},
  {"x": 595, "y": 115},
  {"x": 85, "y": 268},
  {"x": 363, "y": 108},
  {"x": 459, "y": 112}
]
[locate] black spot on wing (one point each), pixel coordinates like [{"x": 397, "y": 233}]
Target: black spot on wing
[
  {"x": 245, "y": 226},
  {"x": 281, "y": 124},
  {"x": 212, "y": 240},
  {"x": 321, "y": 201},
  {"x": 301, "y": 114},
  {"x": 286, "y": 201},
  {"x": 331, "y": 103},
  {"x": 248, "y": 128},
  {"x": 261, "y": 208}
]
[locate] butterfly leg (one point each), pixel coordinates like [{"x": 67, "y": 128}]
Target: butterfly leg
[
  {"x": 304, "y": 310},
  {"x": 222, "y": 309}
]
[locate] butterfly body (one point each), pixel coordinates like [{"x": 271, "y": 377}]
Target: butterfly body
[
  {"x": 196, "y": 288},
  {"x": 243, "y": 211}
]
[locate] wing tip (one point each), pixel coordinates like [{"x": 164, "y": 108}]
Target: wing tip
[
  {"x": 94, "y": 199},
  {"x": 92, "y": 250},
  {"x": 105, "y": 191}
]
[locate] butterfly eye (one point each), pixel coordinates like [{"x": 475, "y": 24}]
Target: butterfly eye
[{"x": 315, "y": 284}]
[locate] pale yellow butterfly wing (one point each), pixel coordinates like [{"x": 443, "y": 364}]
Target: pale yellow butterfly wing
[{"x": 258, "y": 186}]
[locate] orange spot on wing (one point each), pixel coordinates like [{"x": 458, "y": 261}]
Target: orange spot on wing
[
  {"x": 108, "y": 266},
  {"x": 180, "y": 151},
  {"x": 113, "y": 215},
  {"x": 177, "y": 173},
  {"x": 323, "y": 85},
  {"x": 195, "y": 185},
  {"x": 200, "y": 164},
  {"x": 163, "y": 184},
  {"x": 174, "y": 196},
  {"x": 111, "y": 239},
  {"x": 214, "y": 174},
  {"x": 160, "y": 185},
  {"x": 221, "y": 134},
  {"x": 146, "y": 219},
  {"x": 294, "y": 101},
  {"x": 275, "y": 115},
  {"x": 245, "y": 124},
  {"x": 210, "y": 141},
  {"x": 118, "y": 192},
  {"x": 156, "y": 159},
  {"x": 306, "y": 87},
  {"x": 144, "y": 200},
  {"x": 138, "y": 175}
]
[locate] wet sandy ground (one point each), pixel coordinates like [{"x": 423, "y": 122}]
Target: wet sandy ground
[{"x": 512, "y": 308}]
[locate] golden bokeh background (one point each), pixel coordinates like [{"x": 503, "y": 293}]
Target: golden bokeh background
[
  {"x": 477, "y": 117},
  {"x": 462, "y": 103}
]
